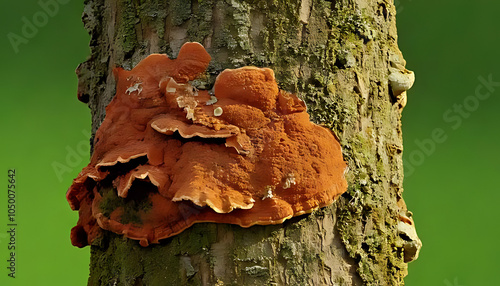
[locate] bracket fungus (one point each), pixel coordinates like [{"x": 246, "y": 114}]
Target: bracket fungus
[
  {"x": 400, "y": 80},
  {"x": 168, "y": 155}
]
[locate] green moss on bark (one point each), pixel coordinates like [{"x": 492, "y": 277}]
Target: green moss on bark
[{"x": 336, "y": 59}]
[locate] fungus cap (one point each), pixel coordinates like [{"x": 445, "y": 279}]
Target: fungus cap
[{"x": 166, "y": 158}]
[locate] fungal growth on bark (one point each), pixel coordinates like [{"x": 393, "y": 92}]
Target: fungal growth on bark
[
  {"x": 168, "y": 155},
  {"x": 400, "y": 80}
]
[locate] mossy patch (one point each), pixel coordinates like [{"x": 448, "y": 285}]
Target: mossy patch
[{"x": 131, "y": 207}]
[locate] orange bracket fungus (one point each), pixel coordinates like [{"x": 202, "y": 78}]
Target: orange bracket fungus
[{"x": 168, "y": 155}]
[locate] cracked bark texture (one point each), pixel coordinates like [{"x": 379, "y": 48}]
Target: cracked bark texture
[{"x": 335, "y": 55}]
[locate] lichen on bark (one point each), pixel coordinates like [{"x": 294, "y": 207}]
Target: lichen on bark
[{"x": 335, "y": 55}]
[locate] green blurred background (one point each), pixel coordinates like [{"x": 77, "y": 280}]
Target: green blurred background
[{"x": 450, "y": 186}]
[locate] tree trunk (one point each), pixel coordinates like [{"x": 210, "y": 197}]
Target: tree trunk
[{"x": 336, "y": 56}]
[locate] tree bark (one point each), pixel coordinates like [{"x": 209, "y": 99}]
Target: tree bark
[{"x": 336, "y": 56}]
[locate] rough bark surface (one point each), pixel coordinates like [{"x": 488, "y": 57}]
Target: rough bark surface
[{"x": 335, "y": 55}]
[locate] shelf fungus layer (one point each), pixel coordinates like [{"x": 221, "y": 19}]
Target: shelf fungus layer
[{"x": 168, "y": 155}]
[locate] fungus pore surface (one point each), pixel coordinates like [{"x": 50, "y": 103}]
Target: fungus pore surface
[{"x": 168, "y": 155}]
